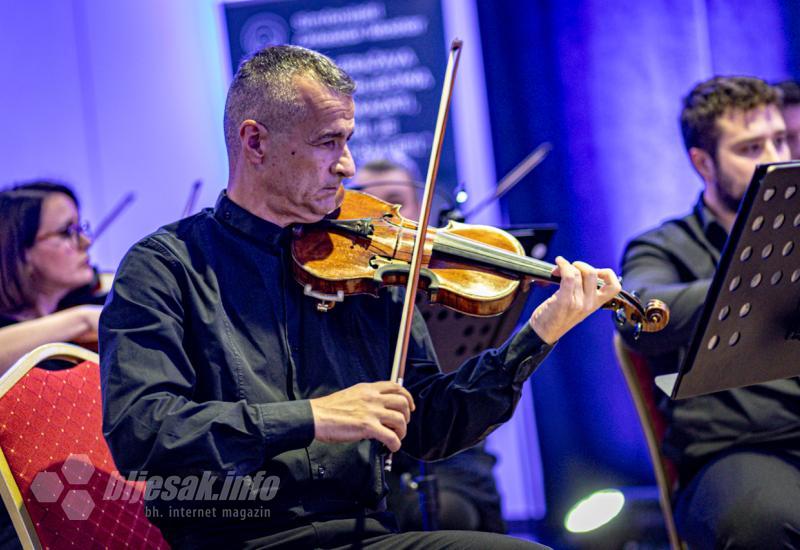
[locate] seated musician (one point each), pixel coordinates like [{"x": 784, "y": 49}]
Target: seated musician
[
  {"x": 43, "y": 258},
  {"x": 737, "y": 452},
  {"x": 216, "y": 367},
  {"x": 790, "y": 109}
]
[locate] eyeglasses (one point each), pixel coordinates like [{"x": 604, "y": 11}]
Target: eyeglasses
[{"x": 73, "y": 232}]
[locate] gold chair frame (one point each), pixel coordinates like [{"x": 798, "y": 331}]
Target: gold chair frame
[
  {"x": 663, "y": 481},
  {"x": 9, "y": 491}
]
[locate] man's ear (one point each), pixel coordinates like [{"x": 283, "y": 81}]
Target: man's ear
[
  {"x": 253, "y": 137},
  {"x": 704, "y": 164}
]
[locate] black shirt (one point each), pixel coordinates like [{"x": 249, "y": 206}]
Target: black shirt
[
  {"x": 675, "y": 263},
  {"x": 210, "y": 353}
]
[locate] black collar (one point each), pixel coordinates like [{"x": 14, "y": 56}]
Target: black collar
[
  {"x": 712, "y": 229},
  {"x": 258, "y": 229}
]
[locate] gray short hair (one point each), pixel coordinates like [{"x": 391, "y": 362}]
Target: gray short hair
[{"x": 263, "y": 89}]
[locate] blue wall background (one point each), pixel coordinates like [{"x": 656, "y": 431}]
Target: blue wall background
[{"x": 128, "y": 95}]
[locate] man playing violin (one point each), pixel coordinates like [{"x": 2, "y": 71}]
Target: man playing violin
[
  {"x": 737, "y": 452},
  {"x": 214, "y": 363}
]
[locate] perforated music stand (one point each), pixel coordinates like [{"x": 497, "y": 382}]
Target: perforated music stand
[
  {"x": 456, "y": 336},
  {"x": 749, "y": 328}
]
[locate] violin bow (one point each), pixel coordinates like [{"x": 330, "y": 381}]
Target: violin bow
[
  {"x": 511, "y": 179},
  {"x": 401, "y": 349},
  {"x": 123, "y": 203},
  {"x": 193, "y": 194}
]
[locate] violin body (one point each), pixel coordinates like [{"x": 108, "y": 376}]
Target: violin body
[
  {"x": 331, "y": 260},
  {"x": 476, "y": 270}
]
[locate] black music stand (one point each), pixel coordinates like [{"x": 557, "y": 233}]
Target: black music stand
[
  {"x": 456, "y": 336},
  {"x": 749, "y": 328}
]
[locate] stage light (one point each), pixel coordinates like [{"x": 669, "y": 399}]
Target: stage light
[
  {"x": 461, "y": 197},
  {"x": 594, "y": 511}
]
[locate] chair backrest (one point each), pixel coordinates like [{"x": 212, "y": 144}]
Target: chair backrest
[
  {"x": 59, "y": 482},
  {"x": 640, "y": 384}
]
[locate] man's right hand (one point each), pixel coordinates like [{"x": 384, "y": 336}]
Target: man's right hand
[{"x": 375, "y": 410}]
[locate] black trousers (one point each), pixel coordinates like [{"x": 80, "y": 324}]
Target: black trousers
[
  {"x": 351, "y": 533},
  {"x": 742, "y": 499}
]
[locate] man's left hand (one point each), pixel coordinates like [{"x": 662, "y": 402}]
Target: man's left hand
[{"x": 579, "y": 296}]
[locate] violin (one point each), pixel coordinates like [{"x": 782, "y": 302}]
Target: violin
[{"x": 474, "y": 269}]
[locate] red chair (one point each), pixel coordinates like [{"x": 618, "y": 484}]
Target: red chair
[
  {"x": 640, "y": 384},
  {"x": 55, "y": 466}
]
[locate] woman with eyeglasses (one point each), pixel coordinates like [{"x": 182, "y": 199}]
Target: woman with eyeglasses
[{"x": 43, "y": 258}]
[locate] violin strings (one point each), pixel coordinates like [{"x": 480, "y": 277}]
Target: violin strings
[
  {"x": 498, "y": 257},
  {"x": 470, "y": 249},
  {"x": 474, "y": 250}
]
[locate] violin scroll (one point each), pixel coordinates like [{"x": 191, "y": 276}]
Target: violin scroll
[
  {"x": 629, "y": 310},
  {"x": 657, "y": 315}
]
